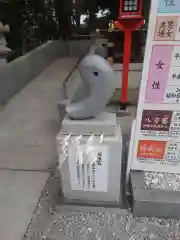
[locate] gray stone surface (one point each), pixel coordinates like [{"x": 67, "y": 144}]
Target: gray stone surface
[
  {"x": 78, "y": 48},
  {"x": 113, "y": 195},
  {"x": 30, "y": 122},
  {"x": 28, "y": 127},
  {"x": 52, "y": 221},
  {"x": 22, "y": 70},
  {"x": 99, "y": 79},
  {"x": 135, "y": 75},
  {"x": 125, "y": 119},
  {"x": 160, "y": 209},
  {"x": 162, "y": 181},
  {"x": 19, "y": 195},
  {"x": 153, "y": 202},
  {"x": 103, "y": 123}
]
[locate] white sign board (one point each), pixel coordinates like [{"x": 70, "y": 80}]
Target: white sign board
[
  {"x": 85, "y": 176},
  {"x": 157, "y": 131}
]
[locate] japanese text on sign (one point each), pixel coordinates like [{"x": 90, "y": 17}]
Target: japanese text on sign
[
  {"x": 166, "y": 28},
  {"x": 156, "y": 120},
  {"x": 161, "y": 124},
  {"x": 154, "y": 151},
  {"x": 151, "y": 149},
  {"x": 89, "y": 176},
  {"x": 169, "y": 6},
  {"x": 158, "y": 73}
]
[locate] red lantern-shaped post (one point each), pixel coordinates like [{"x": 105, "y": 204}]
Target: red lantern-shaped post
[{"x": 130, "y": 19}]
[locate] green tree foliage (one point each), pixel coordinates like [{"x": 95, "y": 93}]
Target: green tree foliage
[
  {"x": 64, "y": 12},
  {"x": 11, "y": 12},
  {"x": 33, "y": 22},
  {"x": 39, "y": 23},
  {"x": 91, "y": 7}
]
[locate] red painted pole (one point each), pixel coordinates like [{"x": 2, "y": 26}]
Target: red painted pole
[{"x": 126, "y": 62}]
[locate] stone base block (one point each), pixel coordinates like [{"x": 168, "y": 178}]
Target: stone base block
[
  {"x": 153, "y": 202},
  {"x": 104, "y": 123}
]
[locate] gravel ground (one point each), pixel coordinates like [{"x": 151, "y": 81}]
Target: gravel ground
[{"x": 53, "y": 221}]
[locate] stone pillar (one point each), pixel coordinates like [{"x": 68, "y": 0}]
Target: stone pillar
[{"x": 3, "y": 49}]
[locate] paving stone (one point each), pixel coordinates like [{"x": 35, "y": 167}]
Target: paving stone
[
  {"x": 19, "y": 195},
  {"x": 30, "y": 122}
]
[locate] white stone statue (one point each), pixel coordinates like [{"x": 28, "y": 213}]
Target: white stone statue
[{"x": 98, "y": 85}]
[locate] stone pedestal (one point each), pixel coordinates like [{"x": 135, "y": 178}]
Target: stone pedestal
[
  {"x": 153, "y": 199},
  {"x": 105, "y": 124}
]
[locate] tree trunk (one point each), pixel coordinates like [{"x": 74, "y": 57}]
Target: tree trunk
[
  {"x": 91, "y": 20},
  {"x": 78, "y": 20}
]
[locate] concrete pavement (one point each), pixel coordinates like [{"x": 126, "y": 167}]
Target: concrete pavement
[
  {"x": 19, "y": 194},
  {"x": 30, "y": 122},
  {"x": 28, "y": 127}
]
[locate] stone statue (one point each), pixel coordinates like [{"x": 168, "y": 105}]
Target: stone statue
[
  {"x": 3, "y": 49},
  {"x": 98, "y": 85}
]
